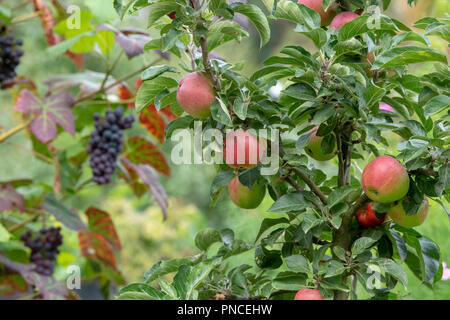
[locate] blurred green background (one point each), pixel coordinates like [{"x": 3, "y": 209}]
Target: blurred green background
[{"x": 145, "y": 237}]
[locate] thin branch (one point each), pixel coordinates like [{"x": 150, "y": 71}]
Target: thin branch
[
  {"x": 205, "y": 52},
  {"x": 363, "y": 199},
  {"x": 93, "y": 94},
  {"x": 26, "y": 17},
  {"x": 36, "y": 154},
  {"x": 307, "y": 180},
  {"x": 14, "y": 130},
  {"x": 24, "y": 222}
]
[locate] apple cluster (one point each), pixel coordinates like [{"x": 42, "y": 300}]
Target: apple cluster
[{"x": 385, "y": 180}]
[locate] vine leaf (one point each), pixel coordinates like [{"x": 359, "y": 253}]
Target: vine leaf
[
  {"x": 101, "y": 223},
  {"x": 50, "y": 111},
  {"x": 94, "y": 246},
  {"x": 149, "y": 176},
  {"x": 47, "y": 286},
  {"x": 153, "y": 122},
  {"x": 10, "y": 199},
  {"x": 141, "y": 151},
  {"x": 62, "y": 213}
]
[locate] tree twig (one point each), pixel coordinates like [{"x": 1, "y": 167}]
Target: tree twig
[
  {"x": 14, "y": 130},
  {"x": 425, "y": 172},
  {"x": 24, "y": 222}
]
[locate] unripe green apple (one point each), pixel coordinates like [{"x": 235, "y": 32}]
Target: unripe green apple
[
  {"x": 398, "y": 214},
  {"x": 242, "y": 149},
  {"x": 308, "y": 294},
  {"x": 243, "y": 196},
  {"x": 195, "y": 95},
  {"x": 314, "y": 148},
  {"x": 342, "y": 18},
  {"x": 384, "y": 179},
  {"x": 316, "y": 5}
]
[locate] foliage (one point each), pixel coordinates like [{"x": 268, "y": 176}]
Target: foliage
[{"x": 313, "y": 240}]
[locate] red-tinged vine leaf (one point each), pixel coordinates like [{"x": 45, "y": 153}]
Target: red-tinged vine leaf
[
  {"x": 77, "y": 58},
  {"x": 94, "y": 246},
  {"x": 10, "y": 199},
  {"x": 153, "y": 122},
  {"x": 141, "y": 151},
  {"x": 100, "y": 222},
  {"x": 168, "y": 113},
  {"x": 149, "y": 176},
  {"x": 11, "y": 284},
  {"x": 131, "y": 178},
  {"x": 48, "y": 287},
  {"x": 61, "y": 213},
  {"x": 52, "y": 110},
  {"x": 124, "y": 92},
  {"x": 47, "y": 20}
]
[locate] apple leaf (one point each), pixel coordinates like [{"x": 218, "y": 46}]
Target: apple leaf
[
  {"x": 405, "y": 55},
  {"x": 257, "y": 17},
  {"x": 52, "y": 110}
]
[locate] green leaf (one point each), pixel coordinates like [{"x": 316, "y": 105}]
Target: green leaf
[
  {"x": 205, "y": 238},
  {"x": 365, "y": 24},
  {"x": 372, "y": 96},
  {"x": 61, "y": 213},
  {"x": 240, "y": 108},
  {"x": 5, "y": 14},
  {"x": 362, "y": 244},
  {"x": 436, "y": 105},
  {"x": 164, "y": 267},
  {"x": 160, "y": 9},
  {"x": 150, "y": 89},
  {"x": 267, "y": 259},
  {"x": 155, "y": 71},
  {"x": 289, "y": 281},
  {"x": 391, "y": 267},
  {"x": 298, "y": 263},
  {"x": 219, "y": 183},
  {"x": 298, "y": 13},
  {"x": 4, "y": 234},
  {"x": 140, "y": 291},
  {"x": 405, "y": 55},
  {"x": 290, "y": 202},
  {"x": 257, "y": 17},
  {"x": 268, "y": 223},
  {"x": 318, "y": 35}
]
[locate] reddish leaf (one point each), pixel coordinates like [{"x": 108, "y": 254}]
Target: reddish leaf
[
  {"x": 124, "y": 92},
  {"x": 149, "y": 176},
  {"x": 132, "y": 41},
  {"x": 168, "y": 113},
  {"x": 100, "y": 222},
  {"x": 141, "y": 151},
  {"x": 130, "y": 176},
  {"x": 10, "y": 198},
  {"x": 51, "y": 110},
  {"x": 11, "y": 284},
  {"x": 77, "y": 58},
  {"x": 96, "y": 247},
  {"x": 153, "y": 122},
  {"x": 47, "y": 286}
]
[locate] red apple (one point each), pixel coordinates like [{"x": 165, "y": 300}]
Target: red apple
[
  {"x": 398, "y": 214},
  {"x": 314, "y": 148},
  {"x": 308, "y": 294},
  {"x": 195, "y": 95},
  {"x": 385, "y": 180},
  {"x": 316, "y": 5},
  {"x": 243, "y": 196},
  {"x": 342, "y": 18},
  {"x": 369, "y": 218},
  {"x": 242, "y": 149}
]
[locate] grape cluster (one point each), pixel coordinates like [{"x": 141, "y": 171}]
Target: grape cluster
[
  {"x": 10, "y": 54},
  {"x": 105, "y": 143},
  {"x": 44, "y": 248}
]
